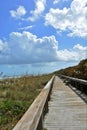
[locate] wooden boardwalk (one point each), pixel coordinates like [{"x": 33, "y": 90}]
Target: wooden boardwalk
[{"x": 67, "y": 111}]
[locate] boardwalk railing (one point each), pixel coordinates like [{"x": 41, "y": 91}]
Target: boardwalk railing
[
  {"x": 80, "y": 84},
  {"x": 33, "y": 118}
]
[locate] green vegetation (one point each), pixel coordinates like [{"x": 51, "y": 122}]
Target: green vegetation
[
  {"x": 16, "y": 95},
  {"x": 79, "y": 71}
]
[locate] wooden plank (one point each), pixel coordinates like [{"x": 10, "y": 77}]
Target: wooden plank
[
  {"x": 32, "y": 119},
  {"x": 67, "y": 111}
]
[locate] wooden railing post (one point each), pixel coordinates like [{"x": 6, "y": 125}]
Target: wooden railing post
[
  {"x": 46, "y": 107},
  {"x": 40, "y": 125}
]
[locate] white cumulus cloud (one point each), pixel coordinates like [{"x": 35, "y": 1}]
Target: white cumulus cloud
[
  {"x": 18, "y": 13},
  {"x": 77, "y": 53},
  {"x": 28, "y": 48},
  {"x": 25, "y": 47},
  {"x": 73, "y": 19},
  {"x": 80, "y": 48},
  {"x": 39, "y": 8}
]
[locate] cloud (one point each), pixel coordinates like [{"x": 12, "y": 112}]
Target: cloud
[
  {"x": 56, "y": 1},
  {"x": 35, "y": 14},
  {"x": 25, "y": 48},
  {"x": 65, "y": 0},
  {"x": 18, "y": 13},
  {"x": 80, "y": 48},
  {"x": 25, "y": 28},
  {"x": 77, "y": 53},
  {"x": 3, "y": 46},
  {"x": 4, "y": 51},
  {"x": 40, "y": 7},
  {"x": 73, "y": 19}
]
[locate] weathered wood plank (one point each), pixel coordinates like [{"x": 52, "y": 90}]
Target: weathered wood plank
[{"x": 67, "y": 111}]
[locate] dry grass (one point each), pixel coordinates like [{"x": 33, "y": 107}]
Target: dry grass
[{"x": 16, "y": 95}]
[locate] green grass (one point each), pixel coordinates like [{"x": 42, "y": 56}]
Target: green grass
[{"x": 16, "y": 95}]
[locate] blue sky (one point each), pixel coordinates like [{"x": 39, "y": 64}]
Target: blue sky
[{"x": 41, "y": 36}]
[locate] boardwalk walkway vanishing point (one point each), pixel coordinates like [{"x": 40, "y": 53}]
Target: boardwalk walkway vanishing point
[{"x": 67, "y": 111}]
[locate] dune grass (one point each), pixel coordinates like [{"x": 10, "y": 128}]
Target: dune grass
[{"x": 16, "y": 95}]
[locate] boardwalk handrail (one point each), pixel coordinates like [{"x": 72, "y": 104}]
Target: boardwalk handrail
[
  {"x": 80, "y": 85},
  {"x": 33, "y": 118},
  {"x": 74, "y": 79}
]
